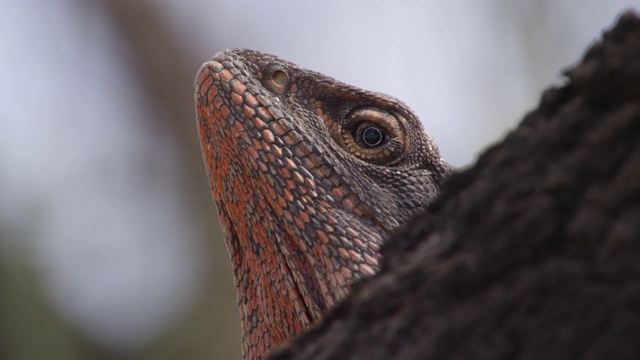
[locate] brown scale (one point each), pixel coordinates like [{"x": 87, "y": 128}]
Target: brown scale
[{"x": 309, "y": 175}]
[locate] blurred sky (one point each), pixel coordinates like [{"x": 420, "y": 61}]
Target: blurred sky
[{"x": 94, "y": 192}]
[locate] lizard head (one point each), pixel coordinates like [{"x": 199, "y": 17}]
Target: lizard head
[{"x": 309, "y": 176}]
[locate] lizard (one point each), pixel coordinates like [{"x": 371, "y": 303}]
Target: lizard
[{"x": 309, "y": 176}]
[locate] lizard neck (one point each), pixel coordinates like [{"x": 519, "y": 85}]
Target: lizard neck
[
  {"x": 292, "y": 261},
  {"x": 272, "y": 304}
]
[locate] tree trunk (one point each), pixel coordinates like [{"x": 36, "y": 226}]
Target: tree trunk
[{"x": 532, "y": 253}]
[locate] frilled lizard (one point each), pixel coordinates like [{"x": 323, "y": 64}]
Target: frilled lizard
[{"x": 309, "y": 176}]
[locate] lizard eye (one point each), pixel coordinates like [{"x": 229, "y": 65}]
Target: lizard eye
[
  {"x": 370, "y": 135},
  {"x": 373, "y": 135}
]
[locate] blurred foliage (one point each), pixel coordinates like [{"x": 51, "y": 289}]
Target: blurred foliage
[
  {"x": 29, "y": 326},
  {"x": 29, "y": 329}
]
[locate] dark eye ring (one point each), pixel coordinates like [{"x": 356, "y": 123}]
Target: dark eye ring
[{"x": 372, "y": 136}]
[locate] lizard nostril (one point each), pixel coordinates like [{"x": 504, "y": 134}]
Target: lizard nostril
[{"x": 280, "y": 78}]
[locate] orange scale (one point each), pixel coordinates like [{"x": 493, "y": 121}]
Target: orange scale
[
  {"x": 225, "y": 75},
  {"x": 250, "y": 100},
  {"x": 203, "y": 76},
  {"x": 322, "y": 236},
  {"x": 238, "y": 87},
  {"x": 217, "y": 102},
  {"x": 249, "y": 112},
  {"x": 224, "y": 111},
  {"x": 236, "y": 98},
  {"x": 205, "y": 85}
]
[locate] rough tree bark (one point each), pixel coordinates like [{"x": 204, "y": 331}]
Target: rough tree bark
[{"x": 532, "y": 253}]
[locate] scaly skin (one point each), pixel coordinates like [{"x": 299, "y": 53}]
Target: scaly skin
[{"x": 309, "y": 175}]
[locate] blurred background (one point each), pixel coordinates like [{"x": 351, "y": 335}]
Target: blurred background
[{"x": 110, "y": 246}]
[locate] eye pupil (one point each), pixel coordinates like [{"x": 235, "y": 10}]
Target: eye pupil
[{"x": 372, "y": 136}]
